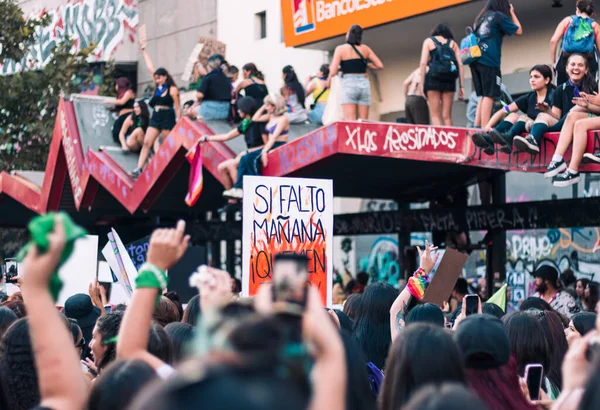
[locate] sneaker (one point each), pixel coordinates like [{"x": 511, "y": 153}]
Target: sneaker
[
  {"x": 229, "y": 207},
  {"x": 235, "y": 193},
  {"x": 555, "y": 168},
  {"x": 501, "y": 139},
  {"x": 136, "y": 173},
  {"x": 483, "y": 141},
  {"x": 591, "y": 158},
  {"x": 526, "y": 144},
  {"x": 566, "y": 179}
]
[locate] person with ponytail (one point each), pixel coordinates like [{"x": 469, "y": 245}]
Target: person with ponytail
[
  {"x": 506, "y": 124},
  {"x": 294, "y": 95},
  {"x": 560, "y": 117},
  {"x": 253, "y": 83},
  {"x": 317, "y": 86},
  {"x": 167, "y": 110},
  {"x": 578, "y": 33},
  {"x": 122, "y": 105}
]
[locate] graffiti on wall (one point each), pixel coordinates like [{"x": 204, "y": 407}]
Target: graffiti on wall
[
  {"x": 106, "y": 23},
  {"x": 382, "y": 261}
]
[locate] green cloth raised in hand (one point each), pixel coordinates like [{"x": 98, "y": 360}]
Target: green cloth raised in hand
[{"x": 40, "y": 228}]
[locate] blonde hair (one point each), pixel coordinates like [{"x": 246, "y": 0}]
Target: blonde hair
[{"x": 278, "y": 102}]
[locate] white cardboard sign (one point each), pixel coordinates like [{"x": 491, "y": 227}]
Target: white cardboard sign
[{"x": 287, "y": 215}]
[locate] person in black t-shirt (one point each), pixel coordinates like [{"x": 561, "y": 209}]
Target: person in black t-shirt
[
  {"x": 254, "y": 134},
  {"x": 214, "y": 93},
  {"x": 513, "y": 124},
  {"x": 556, "y": 118}
]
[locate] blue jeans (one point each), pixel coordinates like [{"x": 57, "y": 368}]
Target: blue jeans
[
  {"x": 250, "y": 164},
  {"x": 214, "y": 110},
  {"x": 316, "y": 114}
]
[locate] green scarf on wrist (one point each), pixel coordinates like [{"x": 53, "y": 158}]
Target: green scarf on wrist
[{"x": 40, "y": 228}]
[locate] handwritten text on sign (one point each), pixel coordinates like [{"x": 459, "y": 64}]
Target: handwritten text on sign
[{"x": 287, "y": 215}]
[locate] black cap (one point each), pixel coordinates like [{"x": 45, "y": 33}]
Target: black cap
[
  {"x": 81, "y": 308},
  {"x": 483, "y": 342},
  {"x": 547, "y": 272}
]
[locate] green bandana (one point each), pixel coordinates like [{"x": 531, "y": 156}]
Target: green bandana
[
  {"x": 245, "y": 125},
  {"x": 149, "y": 276},
  {"x": 40, "y": 228}
]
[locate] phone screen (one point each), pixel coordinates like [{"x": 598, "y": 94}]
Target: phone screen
[
  {"x": 10, "y": 269},
  {"x": 472, "y": 302},
  {"x": 534, "y": 375},
  {"x": 290, "y": 279}
]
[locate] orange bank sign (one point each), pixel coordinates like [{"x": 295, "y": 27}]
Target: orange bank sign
[{"x": 307, "y": 21}]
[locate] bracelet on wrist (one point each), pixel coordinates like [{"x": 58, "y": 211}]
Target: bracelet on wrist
[
  {"x": 151, "y": 276},
  {"x": 417, "y": 283}
]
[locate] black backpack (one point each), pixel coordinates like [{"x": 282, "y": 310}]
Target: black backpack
[{"x": 443, "y": 65}]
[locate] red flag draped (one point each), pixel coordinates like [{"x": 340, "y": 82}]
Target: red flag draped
[{"x": 196, "y": 179}]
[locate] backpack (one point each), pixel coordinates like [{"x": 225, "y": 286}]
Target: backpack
[
  {"x": 470, "y": 51},
  {"x": 579, "y": 36},
  {"x": 375, "y": 378},
  {"x": 443, "y": 65}
]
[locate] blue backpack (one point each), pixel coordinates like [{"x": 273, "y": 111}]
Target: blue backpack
[
  {"x": 579, "y": 36},
  {"x": 470, "y": 51}
]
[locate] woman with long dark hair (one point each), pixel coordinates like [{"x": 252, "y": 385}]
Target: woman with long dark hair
[
  {"x": 134, "y": 128},
  {"x": 372, "y": 322},
  {"x": 590, "y": 301},
  {"x": 506, "y": 124},
  {"x": 423, "y": 353},
  {"x": 441, "y": 66},
  {"x": 580, "y": 286},
  {"x": 581, "y": 324},
  {"x": 562, "y": 116},
  {"x": 122, "y": 105},
  {"x": 253, "y": 84},
  {"x": 104, "y": 344},
  {"x": 294, "y": 95},
  {"x": 353, "y": 59},
  {"x": 577, "y": 34},
  {"x": 317, "y": 86},
  {"x": 496, "y": 20},
  {"x": 167, "y": 110}
]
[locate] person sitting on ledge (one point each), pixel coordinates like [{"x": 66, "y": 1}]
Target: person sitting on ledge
[
  {"x": 214, "y": 93},
  {"x": 254, "y": 134},
  {"x": 278, "y": 127},
  {"x": 134, "y": 128}
]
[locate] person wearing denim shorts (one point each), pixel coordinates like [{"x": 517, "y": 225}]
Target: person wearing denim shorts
[{"x": 353, "y": 59}]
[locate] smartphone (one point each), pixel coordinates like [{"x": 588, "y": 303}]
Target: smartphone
[
  {"x": 11, "y": 269},
  {"x": 534, "y": 373},
  {"x": 290, "y": 282},
  {"x": 472, "y": 304}
]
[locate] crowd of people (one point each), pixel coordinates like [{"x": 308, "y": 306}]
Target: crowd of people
[{"x": 383, "y": 349}]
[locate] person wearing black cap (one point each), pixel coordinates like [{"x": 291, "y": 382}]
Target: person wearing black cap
[
  {"x": 490, "y": 370},
  {"x": 81, "y": 308},
  {"x": 547, "y": 288}
]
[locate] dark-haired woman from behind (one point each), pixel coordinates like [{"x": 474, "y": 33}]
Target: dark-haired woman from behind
[
  {"x": 440, "y": 67},
  {"x": 253, "y": 84},
  {"x": 353, "y": 59},
  {"x": 181, "y": 334},
  {"x": 295, "y": 97},
  {"x": 191, "y": 313},
  {"x": 134, "y": 128},
  {"x": 506, "y": 124},
  {"x": 577, "y": 33},
  {"x": 317, "y": 86},
  {"x": 426, "y": 313},
  {"x": 496, "y": 20},
  {"x": 167, "y": 110},
  {"x": 7, "y": 317},
  {"x": 122, "y": 105},
  {"x": 423, "y": 353},
  {"x": 372, "y": 322},
  {"x": 447, "y": 396}
]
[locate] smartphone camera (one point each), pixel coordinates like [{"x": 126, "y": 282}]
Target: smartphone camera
[
  {"x": 472, "y": 304},
  {"x": 290, "y": 282},
  {"x": 534, "y": 374},
  {"x": 11, "y": 270}
]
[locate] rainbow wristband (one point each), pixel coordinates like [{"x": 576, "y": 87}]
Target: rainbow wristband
[{"x": 417, "y": 283}]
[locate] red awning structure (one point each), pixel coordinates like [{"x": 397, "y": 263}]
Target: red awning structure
[{"x": 365, "y": 159}]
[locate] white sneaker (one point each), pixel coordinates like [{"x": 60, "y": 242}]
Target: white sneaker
[{"x": 234, "y": 193}]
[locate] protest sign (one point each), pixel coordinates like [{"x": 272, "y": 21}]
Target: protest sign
[
  {"x": 137, "y": 251},
  {"x": 120, "y": 263},
  {"x": 80, "y": 269},
  {"x": 448, "y": 271},
  {"x": 287, "y": 215}
]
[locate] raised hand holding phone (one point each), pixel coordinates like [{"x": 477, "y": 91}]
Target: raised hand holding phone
[{"x": 534, "y": 374}]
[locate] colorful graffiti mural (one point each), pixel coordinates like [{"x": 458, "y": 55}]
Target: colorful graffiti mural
[{"x": 106, "y": 23}]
